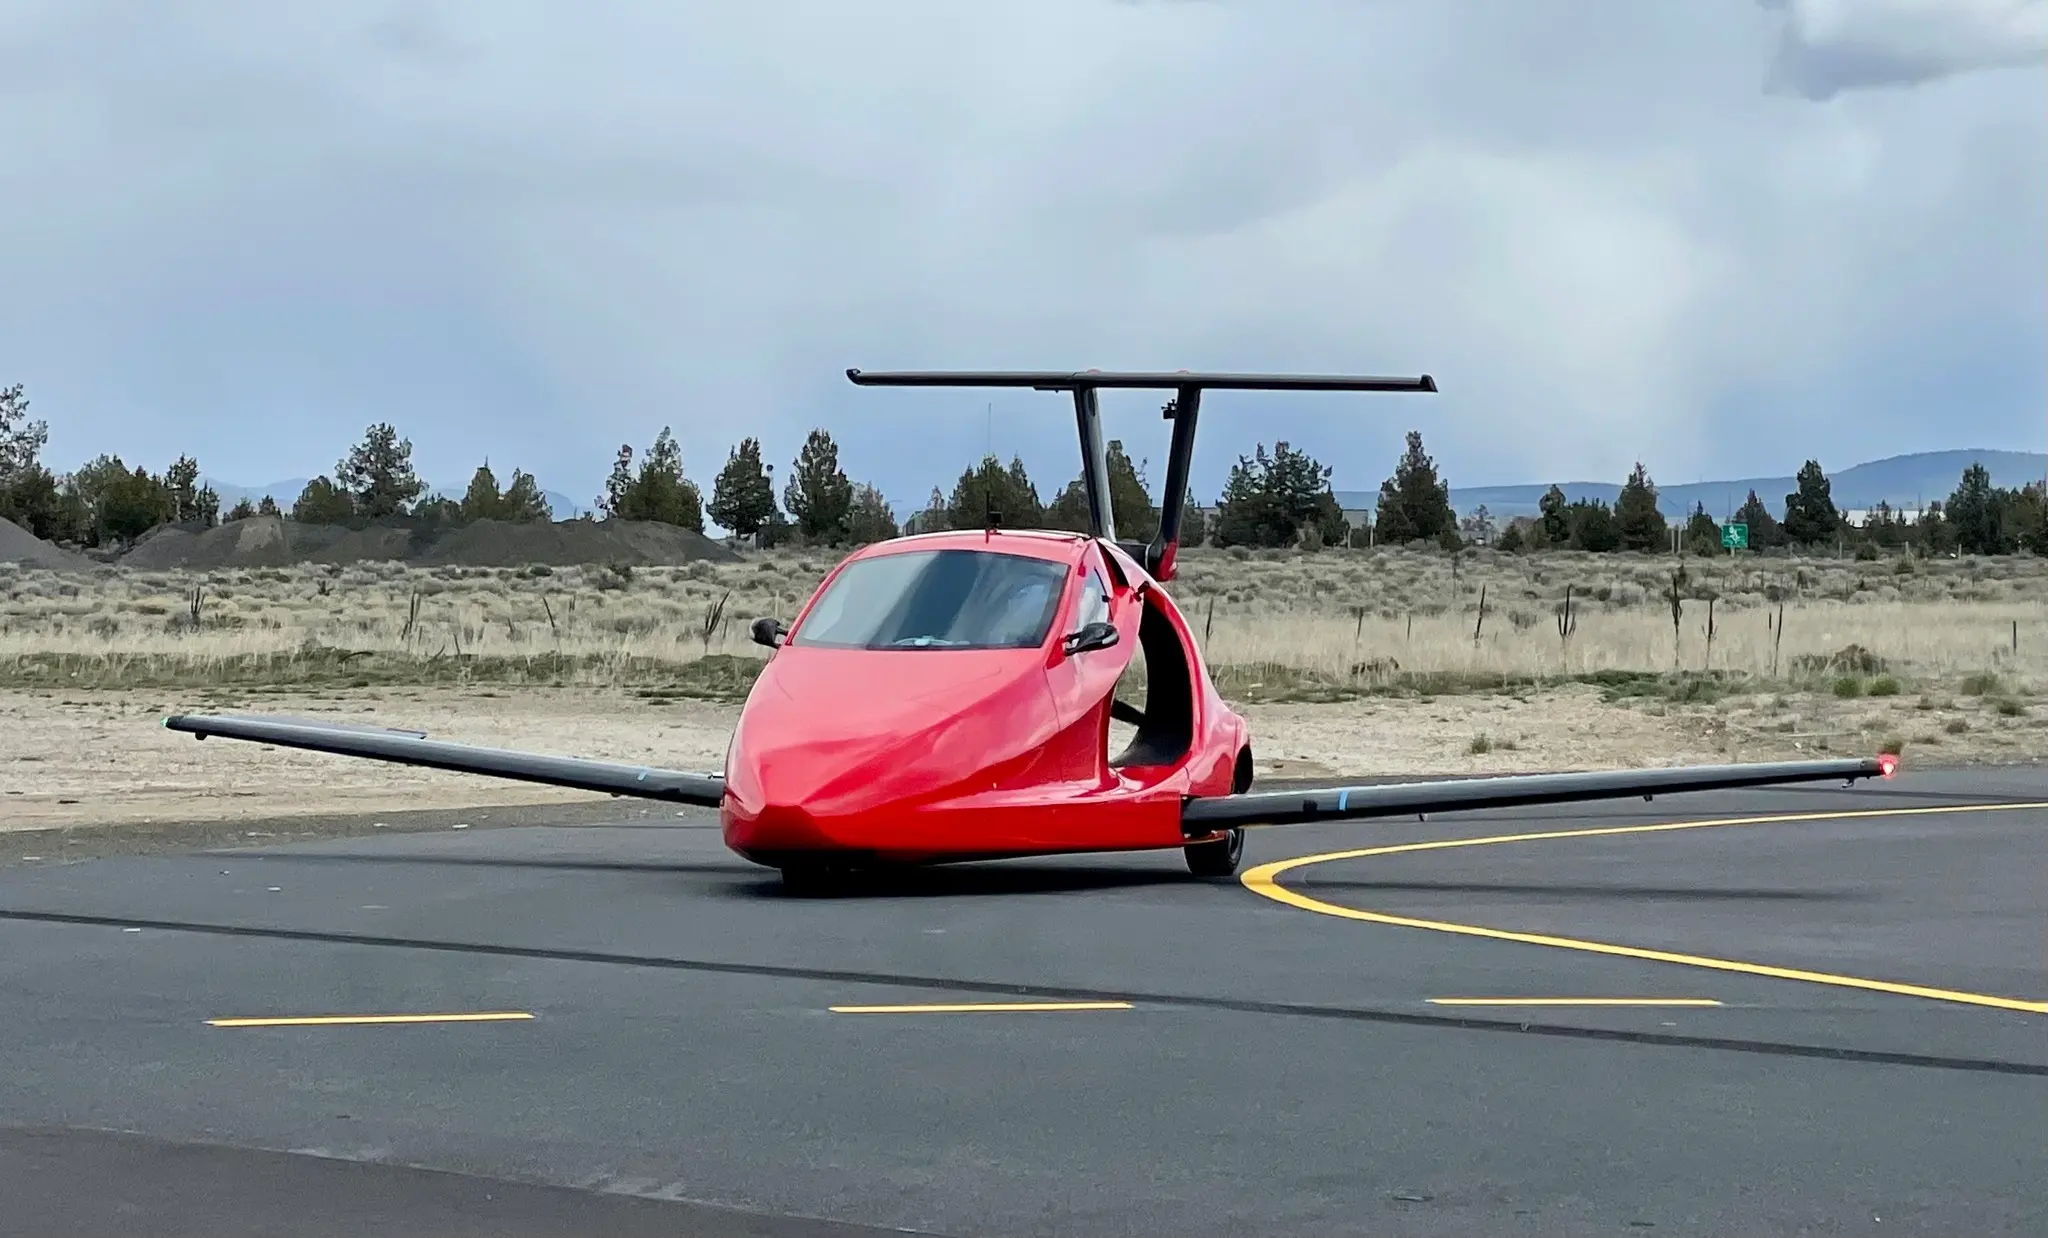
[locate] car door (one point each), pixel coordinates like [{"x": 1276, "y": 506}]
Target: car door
[{"x": 1082, "y": 682}]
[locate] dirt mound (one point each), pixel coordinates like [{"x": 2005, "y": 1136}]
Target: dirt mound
[
  {"x": 274, "y": 541},
  {"x": 18, "y": 545},
  {"x": 259, "y": 541},
  {"x": 497, "y": 543}
]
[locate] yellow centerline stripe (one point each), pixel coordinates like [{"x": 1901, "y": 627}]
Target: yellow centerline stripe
[
  {"x": 982, "y": 1008},
  {"x": 336, "y": 1020},
  {"x": 1573, "y": 1001},
  {"x": 1263, "y": 880}
]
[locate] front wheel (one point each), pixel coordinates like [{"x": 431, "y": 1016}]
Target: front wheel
[{"x": 1216, "y": 859}]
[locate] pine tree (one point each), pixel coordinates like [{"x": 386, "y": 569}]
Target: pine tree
[
  {"x": 21, "y": 440},
  {"x": 619, "y": 484},
  {"x": 323, "y": 502},
  {"x": 936, "y": 516},
  {"x": 1137, "y": 519},
  {"x": 1414, "y": 504},
  {"x": 482, "y": 500},
  {"x": 868, "y": 518},
  {"x": 1245, "y": 512},
  {"x": 377, "y": 473},
  {"x": 659, "y": 491},
  {"x": 1594, "y": 527},
  {"x": 1554, "y": 522},
  {"x": 1277, "y": 499},
  {"x": 133, "y": 503},
  {"x": 1194, "y": 523},
  {"x": 1974, "y": 514},
  {"x": 1069, "y": 508},
  {"x": 1932, "y": 534},
  {"x": 818, "y": 494},
  {"x": 742, "y": 497},
  {"x": 1130, "y": 502},
  {"x": 1702, "y": 534},
  {"x": 181, "y": 482},
  {"x": 1023, "y": 497},
  {"x": 1765, "y": 533},
  {"x": 992, "y": 489},
  {"x": 1810, "y": 515},
  {"x": 2026, "y": 517},
  {"x": 523, "y": 501},
  {"x": 1638, "y": 523}
]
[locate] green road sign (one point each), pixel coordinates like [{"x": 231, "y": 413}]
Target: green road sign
[{"x": 1735, "y": 536}]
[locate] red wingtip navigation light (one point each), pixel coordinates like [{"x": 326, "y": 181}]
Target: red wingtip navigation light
[{"x": 1887, "y": 762}]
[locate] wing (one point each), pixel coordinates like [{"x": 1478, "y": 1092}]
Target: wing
[
  {"x": 1207, "y": 813},
  {"x": 413, "y": 748}
]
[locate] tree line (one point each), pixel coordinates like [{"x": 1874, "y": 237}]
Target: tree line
[
  {"x": 1977, "y": 518},
  {"x": 1280, "y": 498}
]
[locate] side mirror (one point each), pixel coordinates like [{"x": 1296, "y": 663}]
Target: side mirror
[
  {"x": 769, "y": 632},
  {"x": 1097, "y": 635}
]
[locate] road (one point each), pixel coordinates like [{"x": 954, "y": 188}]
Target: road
[{"x": 1849, "y": 1031}]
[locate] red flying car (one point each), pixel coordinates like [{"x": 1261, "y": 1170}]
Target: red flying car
[{"x": 948, "y": 696}]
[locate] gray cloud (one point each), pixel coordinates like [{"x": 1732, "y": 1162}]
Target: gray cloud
[
  {"x": 1829, "y": 46},
  {"x": 248, "y": 229}
]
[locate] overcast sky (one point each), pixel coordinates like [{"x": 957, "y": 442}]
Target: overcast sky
[{"x": 1716, "y": 235}]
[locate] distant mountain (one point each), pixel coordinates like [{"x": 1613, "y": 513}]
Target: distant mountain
[
  {"x": 1910, "y": 481},
  {"x": 287, "y": 491}
]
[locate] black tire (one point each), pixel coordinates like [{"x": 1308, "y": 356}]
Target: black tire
[
  {"x": 1216, "y": 859},
  {"x": 1220, "y": 858}
]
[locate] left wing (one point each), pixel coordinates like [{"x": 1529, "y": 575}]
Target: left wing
[
  {"x": 1219, "y": 812},
  {"x": 413, "y": 748}
]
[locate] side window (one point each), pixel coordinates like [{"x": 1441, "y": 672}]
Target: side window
[{"x": 1094, "y": 606}]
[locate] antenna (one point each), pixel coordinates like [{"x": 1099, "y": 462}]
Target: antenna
[
  {"x": 988, "y": 487},
  {"x": 1182, "y": 410}
]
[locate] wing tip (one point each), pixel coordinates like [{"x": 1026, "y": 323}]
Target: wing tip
[{"x": 1887, "y": 764}]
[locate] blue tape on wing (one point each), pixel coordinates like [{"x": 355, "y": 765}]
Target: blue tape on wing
[{"x": 1343, "y": 798}]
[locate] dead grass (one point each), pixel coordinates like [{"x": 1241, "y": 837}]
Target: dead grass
[{"x": 1947, "y": 656}]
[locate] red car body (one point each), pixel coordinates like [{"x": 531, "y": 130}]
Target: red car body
[{"x": 935, "y": 754}]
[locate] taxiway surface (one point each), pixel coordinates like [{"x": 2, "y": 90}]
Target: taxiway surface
[{"x": 1824, "y": 1012}]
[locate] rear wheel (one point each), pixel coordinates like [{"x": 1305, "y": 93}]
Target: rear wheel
[
  {"x": 1216, "y": 859},
  {"x": 1220, "y": 858}
]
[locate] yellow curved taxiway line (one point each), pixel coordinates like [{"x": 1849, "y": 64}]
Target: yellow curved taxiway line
[{"x": 1264, "y": 880}]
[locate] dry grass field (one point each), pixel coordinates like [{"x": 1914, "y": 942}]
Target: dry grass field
[{"x": 1348, "y": 661}]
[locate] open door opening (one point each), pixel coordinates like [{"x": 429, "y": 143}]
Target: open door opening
[{"x": 1152, "y": 716}]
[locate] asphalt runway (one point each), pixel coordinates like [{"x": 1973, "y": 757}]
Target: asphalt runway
[{"x": 1849, "y": 1032}]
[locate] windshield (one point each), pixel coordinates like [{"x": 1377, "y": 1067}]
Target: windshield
[{"x": 940, "y": 599}]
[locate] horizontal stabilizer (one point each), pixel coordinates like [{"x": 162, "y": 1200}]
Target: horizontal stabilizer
[
  {"x": 1398, "y": 799},
  {"x": 410, "y": 748},
  {"x": 1070, "y": 380}
]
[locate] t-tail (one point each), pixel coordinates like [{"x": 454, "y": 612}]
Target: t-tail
[{"x": 1183, "y": 409}]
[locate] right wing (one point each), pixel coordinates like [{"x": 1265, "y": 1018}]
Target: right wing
[
  {"x": 1397, "y": 799},
  {"x": 413, "y": 748}
]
